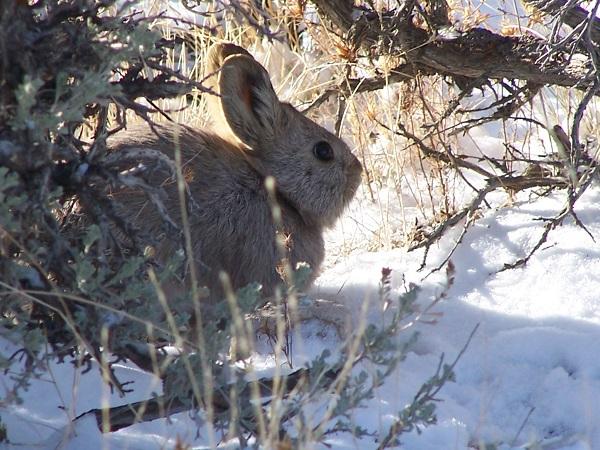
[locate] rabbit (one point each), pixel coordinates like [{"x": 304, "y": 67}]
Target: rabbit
[{"x": 254, "y": 136}]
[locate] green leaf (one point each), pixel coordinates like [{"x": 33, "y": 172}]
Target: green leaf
[
  {"x": 26, "y": 96},
  {"x": 127, "y": 270},
  {"x": 93, "y": 234}
]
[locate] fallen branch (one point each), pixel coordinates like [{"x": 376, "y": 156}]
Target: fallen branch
[{"x": 118, "y": 417}]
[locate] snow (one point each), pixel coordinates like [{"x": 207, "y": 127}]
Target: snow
[{"x": 529, "y": 378}]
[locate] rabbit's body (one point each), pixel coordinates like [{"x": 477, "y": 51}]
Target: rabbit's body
[
  {"x": 230, "y": 215},
  {"x": 231, "y": 223}
]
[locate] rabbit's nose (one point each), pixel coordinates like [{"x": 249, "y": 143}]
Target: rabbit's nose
[{"x": 355, "y": 165}]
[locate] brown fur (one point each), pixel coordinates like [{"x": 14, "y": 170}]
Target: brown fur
[{"x": 254, "y": 136}]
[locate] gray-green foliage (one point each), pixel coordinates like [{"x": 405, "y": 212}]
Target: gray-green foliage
[
  {"x": 331, "y": 384},
  {"x": 64, "y": 275}
]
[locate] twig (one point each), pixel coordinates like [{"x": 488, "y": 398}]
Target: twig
[
  {"x": 450, "y": 222},
  {"x": 426, "y": 394},
  {"x": 451, "y": 252},
  {"x": 556, "y": 221},
  {"x": 514, "y": 441},
  {"x": 514, "y": 183}
]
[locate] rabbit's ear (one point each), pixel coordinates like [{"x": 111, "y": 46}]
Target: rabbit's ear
[
  {"x": 219, "y": 52},
  {"x": 247, "y": 99},
  {"x": 214, "y": 62}
]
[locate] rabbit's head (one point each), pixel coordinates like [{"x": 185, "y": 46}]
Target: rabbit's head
[{"x": 315, "y": 172}]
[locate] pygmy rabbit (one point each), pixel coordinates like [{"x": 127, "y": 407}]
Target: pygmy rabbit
[{"x": 230, "y": 216}]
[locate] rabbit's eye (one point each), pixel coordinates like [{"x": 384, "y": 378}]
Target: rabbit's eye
[{"x": 323, "y": 151}]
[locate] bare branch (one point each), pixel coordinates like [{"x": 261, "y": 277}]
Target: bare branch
[
  {"x": 569, "y": 12},
  {"x": 490, "y": 55}
]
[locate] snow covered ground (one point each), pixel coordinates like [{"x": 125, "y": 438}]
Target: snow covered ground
[
  {"x": 531, "y": 374},
  {"x": 529, "y": 379}
]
